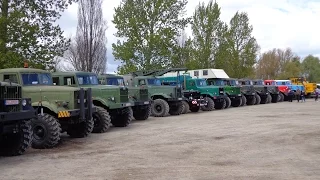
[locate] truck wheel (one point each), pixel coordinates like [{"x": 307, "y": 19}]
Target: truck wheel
[
  {"x": 81, "y": 130},
  {"x": 102, "y": 120},
  {"x": 176, "y": 109},
  {"x": 123, "y": 119},
  {"x": 46, "y": 131},
  {"x": 160, "y": 108},
  {"x": 186, "y": 107},
  {"x": 220, "y": 105},
  {"x": 228, "y": 102},
  {"x": 17, "y": 143},
  {"x": 274, "y": 98},
  {"x": 251, "y": 101},
  {"x": 258, "y": 99},
  {"x": 209, "y": 106},
  {"x": 281, "y": 97},
  {"x": 142, "y": 113},
  {"x": 264, "y": 100},
  {"x": 244, "y": 100},
  {"x": 236, "y": 102},
  {"x": 194, "y": 108},
  {"x": 269, "y": 98}
]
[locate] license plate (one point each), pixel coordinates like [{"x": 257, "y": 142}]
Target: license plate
[
  {"x": 128, "y": 104},
  {"x": 12, "y": 102},
  {"x": 147, "y": 102},
  {"x": 239, "y": 94},
  {"x": 179, "y": 98}
]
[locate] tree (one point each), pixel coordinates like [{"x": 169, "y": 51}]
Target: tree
[
  {"x": 278, "y": 63},
  {"x": 206, "y": 27},
  {"x": 148, "y": 29},
  {"x": 311, "y": 68},
  {"x": 88, "y": 51},
  {"x": 27, "y": 31},
  {"x": 182, "y": 51},
  {"x": 238, "y": 48}
]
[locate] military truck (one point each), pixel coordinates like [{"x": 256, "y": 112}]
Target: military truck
[
  {"x": 166, "y": 99},
  {"x": 233, "y": 92},
  {"x": 112, "y": 102},
  {"x": 274, "y": 93},
  {"x": 15, "y": 120},
  {"x": 261, "y": 91},
  {"x": 61, "y": 109},
  {"x": 138, "y": 95},
  {"x": 247, "y": 91},
  {"x": 214, "y": 96}
]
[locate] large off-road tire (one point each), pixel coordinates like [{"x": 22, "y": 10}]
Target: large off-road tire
[
  {"x": 123, "y": 119},
  {"x": 264, "y": 100},
  {"x": 220, "y": 105},
  {"x": 210, "y": 104},
  {"x": 236, "y": 102},
  {"x": 81, "y": 130},
  {"x": 46, "y": 131},
  {"x": 142, "y": 113},
  {"x": 194, "y": 108},
  {"x": 102, "y": 120},
  {"x": 274, "y": 98},
  {"x": 228, "y": 102},
  {"x": 176, "y": 109},
  {"x": 186, "y": 107},
  {"x": 281, "y": 97},
  {"x": 269, "y": 98},
  {"x": 251, "y": 101},
  {"x": 258, "y": 99},
  {"x": 160, "y": 108},
  {"x": 17, "y": 143},
  {"x": 244, "y": 100}
]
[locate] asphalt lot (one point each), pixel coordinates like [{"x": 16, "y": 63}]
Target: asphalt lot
[{"x": 273, "y": 141}]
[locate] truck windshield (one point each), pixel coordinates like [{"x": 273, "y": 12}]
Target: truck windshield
[
  {"x": 154, "y": 82},
  {"x": 284, "y": 83},
  {"x": 201, "y": 82},
  {"x": 219, "y": 82},
  {"x": 87, "y": 79},
  {"x": 36, "y": 79},
  {"x": 115, "y": 81}
]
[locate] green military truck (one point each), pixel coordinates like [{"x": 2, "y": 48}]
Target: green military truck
[
  {"x": 233, "y": 92},
  {"x": 274, "y": 93},
  {"x": 262, "y": 94},
  {"x": 247, "y": 91},
  {"x": 61, "y": 109},
  {"x": 166, "y": 99},
  {"x": 214, "y": 96},
  {"x": 15, "y": 120},
  {"x": 139, "y": 95},
  {"x": 112, "y": 102}
]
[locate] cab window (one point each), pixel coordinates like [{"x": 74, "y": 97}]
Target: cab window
[{"x": 10, "y": 78}]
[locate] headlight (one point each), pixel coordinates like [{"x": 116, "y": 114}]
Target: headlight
[
  {"x": 112, "y": 98},
  {"x": 24, "y": 102}
]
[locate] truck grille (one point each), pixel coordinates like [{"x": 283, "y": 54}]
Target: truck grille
[
  {"x": 76, "y": 97},
  {"x": 144, "y": 94},
  {"x": 10, "y": 93},
  {"x": 221, "y": 90},
  {"x": 124, "y": 94}
]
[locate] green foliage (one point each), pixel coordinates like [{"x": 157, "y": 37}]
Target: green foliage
[
  {"x": 206, "y": 28},
  {"x": 238, "y": 49},
  {"x": 149, "y": 29},
  {"x": 311, "y": 68},
  {"x": 27, "y": 31}
]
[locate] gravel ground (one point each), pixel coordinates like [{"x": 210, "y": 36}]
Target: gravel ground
[{"x": 273, "y": 141}]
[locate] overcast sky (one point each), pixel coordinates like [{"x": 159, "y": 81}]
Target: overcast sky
[{"x": 276, "y": 23}]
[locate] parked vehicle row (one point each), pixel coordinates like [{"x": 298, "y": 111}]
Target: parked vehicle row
[{"x": 38, "y": 106}]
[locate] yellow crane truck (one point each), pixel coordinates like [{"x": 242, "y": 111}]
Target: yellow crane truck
[{"x": 309, "y": 87}]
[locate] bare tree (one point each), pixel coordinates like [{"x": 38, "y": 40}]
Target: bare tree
[{"x": 88, "y": 51}]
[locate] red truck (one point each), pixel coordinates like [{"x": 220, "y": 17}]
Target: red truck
[{"x": 284, "y": 89}]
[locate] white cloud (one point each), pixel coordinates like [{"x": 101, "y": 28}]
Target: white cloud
[{"x": 276, "y": 24}]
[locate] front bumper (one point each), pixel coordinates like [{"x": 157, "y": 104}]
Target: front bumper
[
  {"x": 234, "y": 96},
  {"x": 175, "y": 99},
  {"x": 141, "y": 103},
  {"x": 198, "y": 102},
  {"x": 219, "y": 98},
  {"x": 75, "y": 112},
  {"x": 19, "y": 115}
]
